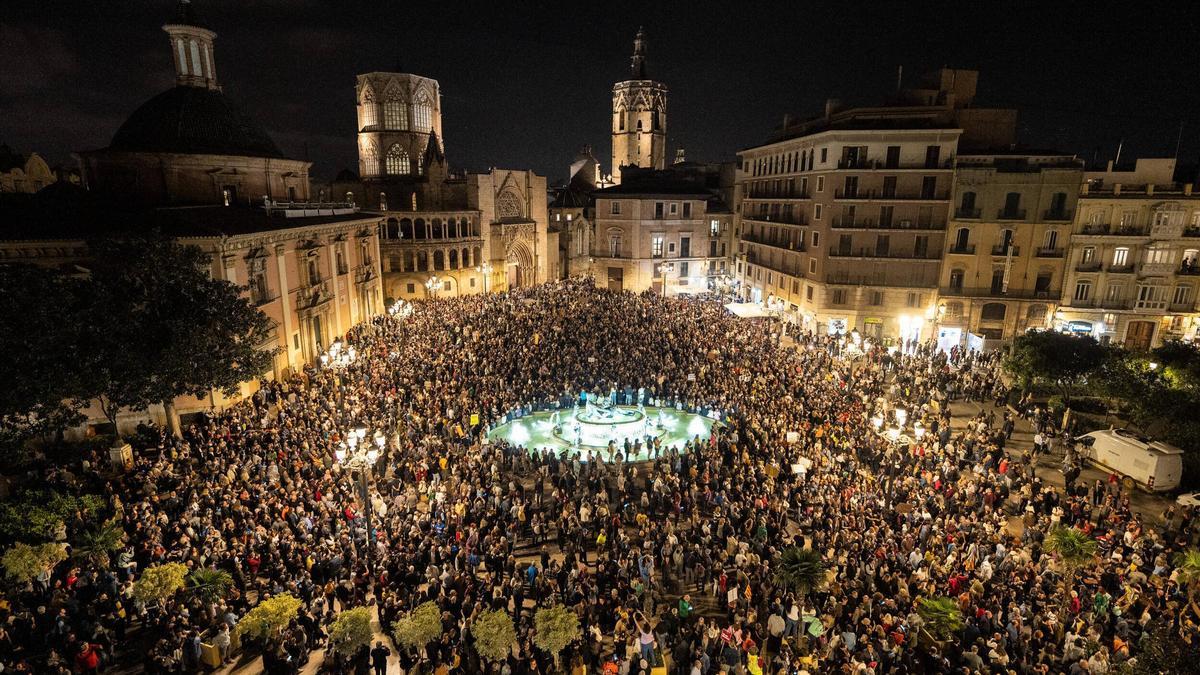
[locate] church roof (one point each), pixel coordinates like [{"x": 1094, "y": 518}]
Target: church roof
[{"x": 193, "y": 120}]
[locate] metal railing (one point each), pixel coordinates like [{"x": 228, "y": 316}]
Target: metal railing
[
  {"x": 968, "y": 249},
  {"x": 1050, "y": 252},
  {"x": 1001, "y": 249},
  {"x": 968, "y": 214},
  {"x": 1010, "y": 214},
  {"x": 1058, "y": 214}
]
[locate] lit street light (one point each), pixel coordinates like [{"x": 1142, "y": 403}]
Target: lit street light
[
  {"x": 359, "y": 458},
  {"x": 432, "y": 286},
  {"x": 485, "y": 269}
]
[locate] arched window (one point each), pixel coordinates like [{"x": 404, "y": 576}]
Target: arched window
[
  {"x": 419, "y": 229},
  {"x": 395, "y": 115},
  {"x": 422, "y": 113},
  {"x": 409, "y": 262},
  {"x": 961, "y": 238},
  {"x": 370, "y": 114},
  {"x": 397, "y": 161},
  {"x": 406, "y": 228},
  {"x": 475, "y": 255},
  {"x": 439, "y": 261},
  {"x": 993, "y": 311},
  {"x": 966, "y": 208},
  {"x": 466, "y": 257},
  {"x": 392, "y": 230},
  {"x": 453, "y": 259},
  {"x": 422, "y": 261}
]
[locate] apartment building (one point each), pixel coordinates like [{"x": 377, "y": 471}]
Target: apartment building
[
  {"x": 1134, "y": 264},
  {"x": 1009, "y": 230}
]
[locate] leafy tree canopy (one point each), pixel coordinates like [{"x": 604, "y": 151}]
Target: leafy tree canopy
[
  {"x": 554, "y": 628},
  {"x": 1055, "y": 359},
  {"x": 159, "y": 582},
  {"x": 269, "y": 617},
  {"x": 350, "y": 630},
  {"x": 494, "y": 635},
  {"x": 422, "y": 626}
]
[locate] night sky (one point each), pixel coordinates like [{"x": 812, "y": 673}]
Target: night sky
[{"x": 525, "y": 84}]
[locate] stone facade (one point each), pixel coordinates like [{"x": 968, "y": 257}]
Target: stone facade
[
  {"x": 639, "y": 117},
  {"x": 1134, "y": 266}
]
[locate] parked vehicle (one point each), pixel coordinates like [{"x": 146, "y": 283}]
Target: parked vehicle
[{"x": 1151, "y": 465}]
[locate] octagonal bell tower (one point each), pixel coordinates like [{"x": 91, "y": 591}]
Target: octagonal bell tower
[{"x": 639, "y": 131}]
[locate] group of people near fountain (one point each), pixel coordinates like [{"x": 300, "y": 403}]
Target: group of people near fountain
[{"x": 667, "y": 561}]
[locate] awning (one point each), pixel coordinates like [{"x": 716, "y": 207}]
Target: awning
[{"x": 748, "y": 310}]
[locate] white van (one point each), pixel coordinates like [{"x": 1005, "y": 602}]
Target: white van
[{"x": 1151, "y": 465}]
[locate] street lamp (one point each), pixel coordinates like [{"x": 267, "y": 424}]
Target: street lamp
[
  {"x": 663, "y": 268},
  {"x": 432, "y": 286},
  {"x": 485, "y": 269},
  {"x": 359, "y": 458}
]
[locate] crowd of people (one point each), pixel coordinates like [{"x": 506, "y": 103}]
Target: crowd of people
[{"x": 667, "y": 562}]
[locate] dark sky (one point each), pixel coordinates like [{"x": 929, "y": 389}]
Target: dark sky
[{"x": 525, "y": 84}]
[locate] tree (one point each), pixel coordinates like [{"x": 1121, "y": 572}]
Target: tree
[
  {"x": 96, "y": 544},
  {"x": 1055, "y": 359},
  {"x": 1162, "y": 650},
  {"x": 1074, "y": 551},
  {"x": 422, "y": 626},
  {"x": 1187, "y": 569},
  {"x": 269, "y": 617},
  {"x": 42, "y": 341},
  {"x": 800, "y": 570},
  {"x": 350, "y": 631},
  {"x": 554, "y": 628},
  {"x": 162, "y": 328},
  {"x": 494, "y": 635},
  {"x": 160, "y": 582},
  {"x": 210, "y": 584},
  {"x": 942, "y": 617},
  {"x": 23, "y": 563}
]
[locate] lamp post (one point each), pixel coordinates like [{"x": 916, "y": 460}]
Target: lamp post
[
  {"x": 486, "y": 270},
  {"x": 359, "y": 458},
  {"x": 431, "y": 285},
  {"x": 662, "y": 269}
]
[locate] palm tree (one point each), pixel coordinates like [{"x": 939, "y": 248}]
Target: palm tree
[
  {"x": 943, "y": 619},
  {"x": 1075, "y": 551},
  {"x": 801, "y": 570},
  {"x": 1187, "y": 567},
  {"x": 210, "y": 584},
  {"x": 95, "y": 545}
]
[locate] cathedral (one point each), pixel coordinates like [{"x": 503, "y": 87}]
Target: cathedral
[{"x": 445, "y": 233}]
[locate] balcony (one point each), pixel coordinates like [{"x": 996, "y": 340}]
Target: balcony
[
  {"x": 1010, "y": 214},
  {"x": 1104, "y": 229},
  {"x": 778, "y": 242},
  {"x": 778, "y": 220},
  {"x": 1050, "y": 253},
  {"x": 1088, "y": 267},
  {"x": 990, "y": 292},
  {"x": 1158, "y": 269},
  {"x": 968, "y": 214},
  {"x": 876, "y": 165},
  {"x": 1182, "y": 306},
  {"x": 870, "y": 224},
  {"x": 1058, "y": 214},
  {"x": 872, "y": 195},
  {"x": 1001, "y": 249},
  {"x": 890, "y": 255},
  {"x": 968, "y": 249},
  {"x": 1191, "y": 270},
  {"x": 767, "y": 193},
  {"x": 1120, "y": 269}
]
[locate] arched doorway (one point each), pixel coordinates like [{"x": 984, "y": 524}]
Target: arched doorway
[{"x": 519, "y": 265}]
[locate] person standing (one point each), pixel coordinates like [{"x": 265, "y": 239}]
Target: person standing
[{"x": 379, "y": 658}]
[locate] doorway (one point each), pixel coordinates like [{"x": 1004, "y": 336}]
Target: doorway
[{"x": 1139, "y": 335}]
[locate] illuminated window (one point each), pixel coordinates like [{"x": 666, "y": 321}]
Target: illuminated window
[
  {"x": 656, "y": 246},
  {"x": 1120, "y": 257},
  {"x": 397, "y": 161},
  {"x": 422, "y": 113},
  {"x": 370, "y": 115},
  {"x": 395, "y": 115}
]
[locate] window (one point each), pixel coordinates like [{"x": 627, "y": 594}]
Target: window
[
  {"x": 812, "y": 265},
  {"x": 410, "y": 289},
  {"x": 621, "y": 121},
  {"x": 1159, "y": 255},
  {"x": 656, "y": 246},
  {"x": 614, "y": 245},
  {"x": 876, "y": 298},
  {"x": 714, "y": 227},
  {"x": 615, "y": 209},
  {"x": 893, "y": 157},
  {"x": 820, "y": 184},
  {"x": 395, "y": 115},
  {"x": 422, "y": 113},
  {"x": 397, "y": 161},
  {"x": 1120, "y": 257},
  {"x": 1042, "y": 284},
  {"x": 824, "y": 157},
  {"x": 838, "y": 296},
  {"x": 685, "y": 247},
  {"x": 882, "y": 244},
  {"x": 1182, "y": 296},
  {"x": 961, "y": 238},
  {"x": 915, "y": 300},
  {"x": 1051, "y": 242},
  {"x": 932, "y": 153},
  {"x": 1058, "y": 205},
  {"x": 921, "y": 246},
  {"x": 1012, "y": 205},
  {"x": 956, "y": 279},
  {"x": 816, "y": 239},
  {"x": 1150, "y": 297},
  {"x": 1088, "y": 255},
  {"x": 683, "y": 271},
  {"x": 260, "y": 292},
  {"x": 674, "y": 208},
  {"x": 928, "y": 187},
  {"x": 1114, "y": 293},
  {"x": 370, "y": 114},
  {"x": 998, "y": 285},
  {"x": 817, "y": 212},
  {"x": 808, "y": 293},
  {"x": 658, "y": 210},
  {"x": 227, "y": 195},
  {"x": 993, "y": 311},
  {"x": 966, "y": 204},
  {"x": 1128, "y": 218},
  {"x": 383, "y": 201},
  {"x": 1083, "y": 291},
  {"x": 687, "y": 209},
  {"x": 339, "y": 256}
]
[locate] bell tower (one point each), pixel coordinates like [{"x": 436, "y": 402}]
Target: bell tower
[
  {"x": 639, "y": 131},
  {"x": 192, "y": 49}
]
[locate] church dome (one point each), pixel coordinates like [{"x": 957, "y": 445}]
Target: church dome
[{"x": 193, "y": 120}]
